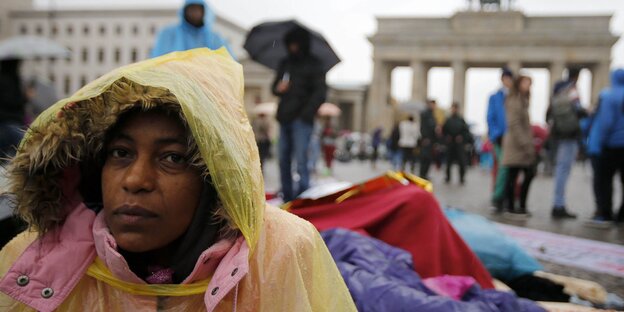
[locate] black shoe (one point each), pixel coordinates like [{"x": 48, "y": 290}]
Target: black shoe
[{"x": 562, "y": 213}]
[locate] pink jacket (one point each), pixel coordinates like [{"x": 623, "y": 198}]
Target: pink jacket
[{"x": 49, "y": 269}]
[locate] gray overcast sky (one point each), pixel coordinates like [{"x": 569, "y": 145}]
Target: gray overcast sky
[{"x": 347, "y": 23}]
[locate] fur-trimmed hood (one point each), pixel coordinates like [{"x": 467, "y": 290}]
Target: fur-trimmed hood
[{"x": 209, "y": 87}]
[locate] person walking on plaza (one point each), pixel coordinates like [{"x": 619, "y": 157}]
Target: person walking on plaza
[
  {"x": 408, "y": 137},
  {"x": 375, "y": 143},
  {"x": 300, "y": 85},
  {"x": 497, "y": 126},
  {"x": 195, "y": 30},
  {"x": 456, "y": 135},
  {"x": 518, "y": 149},
  {"x": 392, "y": 144},
  {"x": 428, "y": 137},
  {"x": 564, "y": 116},
  {"x": 328, "y": 142},
  {"x": 606, "y": 143}
]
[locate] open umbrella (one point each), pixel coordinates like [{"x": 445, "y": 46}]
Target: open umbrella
[
  {"x": 329, "y": 109},
  {"x": 28, "y": 47},
  {"x": 265, "y": 44}
]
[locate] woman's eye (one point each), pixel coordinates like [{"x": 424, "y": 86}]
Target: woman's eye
[
  {"x": 118, "y": 153},
  {"x": 175, "y": 158}
]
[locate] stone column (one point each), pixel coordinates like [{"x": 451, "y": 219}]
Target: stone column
[
  {"x": 357, "y": 113},
  {"x": 556, "y": 73},
  {"x": 378, "y": 95},
  {"x": 419, "y": 80},
  {"x": 600, "y": 80},
  {"x": 459, "y": 83}
]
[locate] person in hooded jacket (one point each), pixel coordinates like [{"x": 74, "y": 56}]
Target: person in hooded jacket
[
  {"x": 518, "y": 149},
  {"x": 606, "y": 145},
  {"x": 300, "y": 85},
  {"x": 195, "y": 30},
  {"x": 143, "y": 192}
]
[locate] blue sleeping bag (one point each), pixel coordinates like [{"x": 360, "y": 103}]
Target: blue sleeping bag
[{"x": 500, "y": 254}]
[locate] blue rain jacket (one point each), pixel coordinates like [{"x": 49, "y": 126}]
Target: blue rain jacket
[
  {"x": 381, "y": 278},
  {"x": 184, "y": 36},
  {"x": 497, "y": 124},
  {"x": 607, "y": 128}
]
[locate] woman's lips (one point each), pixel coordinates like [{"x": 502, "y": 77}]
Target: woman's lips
[{"x": 133, "y": 214}]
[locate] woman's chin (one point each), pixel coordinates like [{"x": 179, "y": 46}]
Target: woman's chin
[{"x": 133, "y": 242}]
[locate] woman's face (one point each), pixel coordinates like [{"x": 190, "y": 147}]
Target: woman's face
[
  {"x": 149, "y": 191},
  {"x": 525, "y": 86}
]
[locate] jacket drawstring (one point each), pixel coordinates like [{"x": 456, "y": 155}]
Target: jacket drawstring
[{"x": 235, "y": 298}]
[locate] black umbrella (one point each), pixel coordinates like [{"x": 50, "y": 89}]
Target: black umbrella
[{"x": 265, "y": 44}]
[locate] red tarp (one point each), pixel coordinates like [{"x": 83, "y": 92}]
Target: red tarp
[{"x": 405, "y": 216}]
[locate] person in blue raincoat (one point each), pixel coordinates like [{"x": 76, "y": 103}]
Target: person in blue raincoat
[
  {"x": 606, "y": 143},
  {"x": 195, "y": 30}
]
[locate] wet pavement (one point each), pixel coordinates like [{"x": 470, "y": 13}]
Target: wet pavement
[{"x": 474, "y": 197}]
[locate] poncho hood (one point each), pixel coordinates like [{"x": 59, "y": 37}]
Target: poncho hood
[{"x": 208, "y": 86}]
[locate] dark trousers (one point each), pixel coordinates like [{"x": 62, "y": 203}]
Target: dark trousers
[
  {"x": 610, "y": 163},
  {"x": 426, "y": 156},
  {"x": 595, "y": 163},
  {"x": 408, "y": 157},
  {"x": 456, "y": 154},
  {"x": 510, "y": 186}
]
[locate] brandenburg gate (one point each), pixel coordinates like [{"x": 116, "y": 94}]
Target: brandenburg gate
[{"x": 484, "y": 38}]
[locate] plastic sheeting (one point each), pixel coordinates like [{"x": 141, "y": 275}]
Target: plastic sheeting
[
  {"x": 404, "y": 216},
  {"x": 500, "y": 254},
  {"x": 295, "y": 274}
]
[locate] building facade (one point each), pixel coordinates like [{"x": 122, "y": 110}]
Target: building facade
[
  {"x": 494, "y": 38},
  {"x": 101, "y": 40}
]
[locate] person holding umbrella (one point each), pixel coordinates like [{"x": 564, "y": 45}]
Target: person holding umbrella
[
  {"x": 300, "y": 84},
  {"x": 301, "y": 58}
]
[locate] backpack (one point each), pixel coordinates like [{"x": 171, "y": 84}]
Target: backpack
[{"x": 564, "y": 114}]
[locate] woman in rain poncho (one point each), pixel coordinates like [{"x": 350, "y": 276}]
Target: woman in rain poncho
[{"x": 144, "y": 193}]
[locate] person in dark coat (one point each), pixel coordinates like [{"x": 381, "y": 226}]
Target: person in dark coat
[
  {"x": 428, "y": 137},
  {"x": 300, "y": 85},
  {"x": 456, "y": 135},
  {"x": 12, "y": 103}
]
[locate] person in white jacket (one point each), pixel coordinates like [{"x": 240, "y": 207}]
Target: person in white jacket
[{"x": 409, "y": 132}]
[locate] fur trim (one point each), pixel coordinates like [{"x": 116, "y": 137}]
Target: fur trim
[{"x": 75, "y": 136}]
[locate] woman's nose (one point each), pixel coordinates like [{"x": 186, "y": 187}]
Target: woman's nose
[{"x": 139, "y": 176}]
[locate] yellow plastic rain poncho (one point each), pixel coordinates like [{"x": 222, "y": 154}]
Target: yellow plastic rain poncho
[{"x": 289, "y": 266}]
